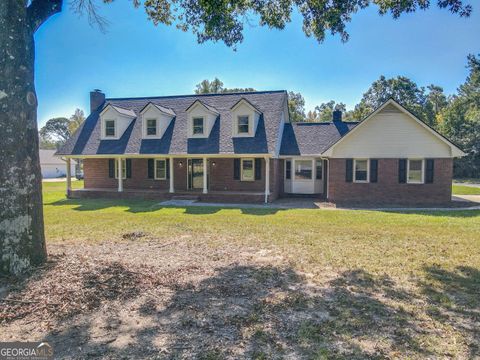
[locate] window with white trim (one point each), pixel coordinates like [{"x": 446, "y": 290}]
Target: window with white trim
[
  {"x": 319, "y": 169},
  {"x": 360, "y": 170},
  {"x": 198, "y": 125},
  {"x": 243, "y": 124},
  {"x": 303, "y": 170},
  {"x": 160, "y": 169},
  {"x": 415, "y": 171},
  {"x": 248, "y": 170},
  {"x": 110, "y": 128},
  {"x": 151, "y": 127},
  {"x": 124, "y": 168}
]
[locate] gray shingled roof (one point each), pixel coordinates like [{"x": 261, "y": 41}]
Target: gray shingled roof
[
  {"x": 312, "y": 138},
  {"x": 86, "y": 141},
  {"x": 123, "y": 111}
]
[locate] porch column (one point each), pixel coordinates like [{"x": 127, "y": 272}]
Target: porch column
[
  {"x": 69, "y": 176},
  {"x": 119, "y": 175},
  {"x": 205, "y": 169},
  {"x": 267, "y": 178},
  {"x": 172, "y": 190},
  {"x": 205, "y": 189}
]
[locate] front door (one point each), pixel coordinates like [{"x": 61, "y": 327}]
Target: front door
[{"x": 195, "y": 173}]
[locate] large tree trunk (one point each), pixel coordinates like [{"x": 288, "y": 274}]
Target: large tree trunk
[{"x": 22, "y": 239}]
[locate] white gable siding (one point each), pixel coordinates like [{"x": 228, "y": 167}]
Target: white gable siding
[{"x": 391, "y": 134}]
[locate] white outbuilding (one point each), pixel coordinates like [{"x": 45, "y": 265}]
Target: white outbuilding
[{"x": 53, "y": 166}]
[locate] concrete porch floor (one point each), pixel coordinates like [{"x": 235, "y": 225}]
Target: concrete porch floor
[{"x": 159, "y": 194}]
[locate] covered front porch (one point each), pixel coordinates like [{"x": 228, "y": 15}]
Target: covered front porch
[
  {"x": 216, "y": 179},
  {"x": 211, "y": 196}
]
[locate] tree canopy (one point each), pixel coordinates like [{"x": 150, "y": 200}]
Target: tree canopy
[
  {"x": 216, "y": 87},
  {"x": 424, "y": 103},
  {"x": 460, "y": 121},
  {"x": 225, "y": 20},
  {"x": 58, "y": 130},
  {"x": 296, "y": 106}
]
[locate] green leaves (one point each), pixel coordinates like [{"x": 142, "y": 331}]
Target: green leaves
[
  {"x": 224, "y": 20},
  {"x": 296, "y": 106},
  {"x": 216, "y": 87}
]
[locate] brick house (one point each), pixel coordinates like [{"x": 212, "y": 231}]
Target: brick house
[{"x": 241, "y": 147}]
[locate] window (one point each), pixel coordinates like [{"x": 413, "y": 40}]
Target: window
[
  {"x": 415, "y": 171},
  {"x": 197, "y": 125},
  {"x": 160, "y": 169},
  {"x": 151, "y": 127},
  {"x": 288, "y": 170},
  {"x": 109, "y": 128},
  {"x": 303, "y": 169},
  {"x": 124, "y": 168},
  {"x": 243, "y": 124},
  {"x": 361, "y": 170},
  {"x": 248, "y": 170},
  {"x": 319, "y": 164}
]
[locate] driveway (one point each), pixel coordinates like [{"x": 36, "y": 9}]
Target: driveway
[
  {"x": 467, "y": 184},
  {"x": 472, "y": 198}
]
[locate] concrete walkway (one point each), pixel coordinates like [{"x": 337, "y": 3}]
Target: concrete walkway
[
  {"x": 472, "y": 198},
  {"x": 62, "y": 179},
  {"x": 283, "y": 204}
]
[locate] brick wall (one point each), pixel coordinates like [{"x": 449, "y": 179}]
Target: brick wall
[
  {"x": 96, "y": 176},
  {"x": 220, "y": 176},
  {"x": 388, "y": 190},
  {"x": 95, "y": 172}
]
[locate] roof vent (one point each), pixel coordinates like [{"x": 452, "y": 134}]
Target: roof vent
[{"x": 337, "y": 115}]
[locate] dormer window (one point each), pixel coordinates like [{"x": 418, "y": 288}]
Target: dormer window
[
  {"x": 200, "y": 119},
  {"x": 114, "y": 121},
  {"x": 155, "y": 120},
  {"x": 245, "y": 118},
  {"x": 243, "y": 124},
  {"x": 109, "y": 128},
  {"x": 198, "y": 128},
  {"x": 151, "y": 127}
]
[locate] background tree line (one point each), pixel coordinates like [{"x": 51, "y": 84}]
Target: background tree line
[
  {"x": 57, "y": 131},
  {"x": 455, "y": 116}
]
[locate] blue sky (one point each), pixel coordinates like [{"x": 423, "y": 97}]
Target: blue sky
[{"x": 135, "y": 58}]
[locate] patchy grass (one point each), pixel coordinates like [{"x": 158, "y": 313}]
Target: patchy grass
[
  {"x": 313, "y": 240},
  {"x": 465, "y": 190},
  {"x": 251, "y": 283}
]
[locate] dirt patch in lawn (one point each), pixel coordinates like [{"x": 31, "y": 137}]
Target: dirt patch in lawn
[{"x": 184, "y": 299}]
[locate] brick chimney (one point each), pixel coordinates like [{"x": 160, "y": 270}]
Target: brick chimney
[
  {"x": 337, "y": 116},
  {"x": 97, "y": 98}
]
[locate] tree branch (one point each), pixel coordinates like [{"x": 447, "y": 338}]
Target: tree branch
[{"x": 40, "y": 10}]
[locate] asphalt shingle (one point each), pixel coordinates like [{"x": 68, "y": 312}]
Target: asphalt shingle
[
  {"x": 86, "y": 141},
  {"x": 312, "y": 138}
]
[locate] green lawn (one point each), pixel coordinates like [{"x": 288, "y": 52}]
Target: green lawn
[
  {"x": 394, "y": 242},
  {"x": 465, "y": 190},
  {"x": 394, "y": 284}
]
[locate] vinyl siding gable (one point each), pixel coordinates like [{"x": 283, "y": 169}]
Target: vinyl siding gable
[{"x": 391, "y": 134}]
